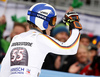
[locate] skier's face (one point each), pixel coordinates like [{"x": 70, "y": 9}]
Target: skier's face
[{"x": 48, "y": 30}]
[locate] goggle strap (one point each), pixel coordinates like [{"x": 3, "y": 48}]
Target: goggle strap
[{"x": 31, "y": 13}]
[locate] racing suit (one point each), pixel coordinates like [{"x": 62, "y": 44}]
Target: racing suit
[{"x": 28, "y": 50}]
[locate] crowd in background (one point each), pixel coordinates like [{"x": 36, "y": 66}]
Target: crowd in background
[{"x": 86, "y": 61}]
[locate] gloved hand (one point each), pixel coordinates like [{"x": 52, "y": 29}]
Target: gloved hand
[{"x": 72, "y": 19}]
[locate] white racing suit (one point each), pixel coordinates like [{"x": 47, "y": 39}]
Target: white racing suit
[{"x": 28, "y": 50}]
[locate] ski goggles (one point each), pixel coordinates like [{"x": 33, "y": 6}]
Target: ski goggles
[{"x": 51, "y": 20}]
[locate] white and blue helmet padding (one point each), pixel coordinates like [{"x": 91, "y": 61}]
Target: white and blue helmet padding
[{"x": 42, "y": 14}]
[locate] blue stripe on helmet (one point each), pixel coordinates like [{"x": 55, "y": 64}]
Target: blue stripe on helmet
[
  {"x": 32, "y": 18},
  {"x": 45, "y": 24}
]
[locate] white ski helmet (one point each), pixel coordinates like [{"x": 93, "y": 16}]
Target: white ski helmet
[{"x": 42, "y": 14}]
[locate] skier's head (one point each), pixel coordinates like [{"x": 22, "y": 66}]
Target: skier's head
[{"x": 42, "y": 15}]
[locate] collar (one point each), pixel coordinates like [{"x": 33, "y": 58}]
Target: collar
[{"x": 36, "y": 30}]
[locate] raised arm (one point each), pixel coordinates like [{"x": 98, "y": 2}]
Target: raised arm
[
  {"x": 71, "y": 45},
  {"x": 50, "y": 44}
]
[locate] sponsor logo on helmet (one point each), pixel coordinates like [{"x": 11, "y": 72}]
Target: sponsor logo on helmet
[
  {"x": 42, "y": 12},
  {"x": 41, "y": 16}
]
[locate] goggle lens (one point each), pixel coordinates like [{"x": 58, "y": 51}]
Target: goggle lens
[{"x": 54, "y": 21}]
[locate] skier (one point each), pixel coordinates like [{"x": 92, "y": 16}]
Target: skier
[{"x": 28, "y": 50}]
